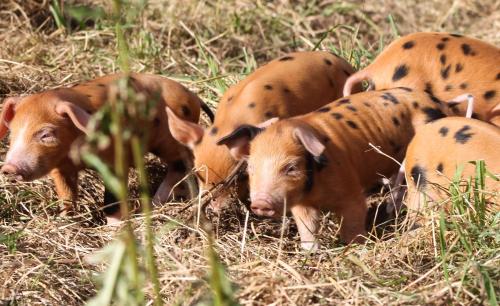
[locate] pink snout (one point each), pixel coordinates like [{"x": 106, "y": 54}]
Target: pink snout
[
  {"x": 12, "y": 171},
  {"x": 264, "y": 205}
]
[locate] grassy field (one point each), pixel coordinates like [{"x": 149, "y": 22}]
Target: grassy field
[{"x": 451, "y": 259}]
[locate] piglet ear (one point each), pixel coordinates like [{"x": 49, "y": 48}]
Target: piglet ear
[
  {"x": 309, "y": 140},
  {"x": 77, "y": 114},
  {"x": 8, "y": 112},
  {"x": 238, "y": 141},
  {"x": 185, "y": 132}
]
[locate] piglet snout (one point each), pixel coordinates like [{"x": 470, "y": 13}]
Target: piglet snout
[
  {"x": 11, "y": 171},
  {"x": 263, "y": 206}
]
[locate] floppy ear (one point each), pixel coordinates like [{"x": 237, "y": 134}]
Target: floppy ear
[
  {"x": 185, "y": 132},
  {"x": 309, "y": 140},
  {"x": 8, "y": 112},
  {"x": 238, "y": 142},
  {"x": 77, "y": 114}
]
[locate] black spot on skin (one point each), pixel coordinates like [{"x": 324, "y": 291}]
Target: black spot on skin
[
  {"x": 325, "y": 109},
  {"x": 428, "y": 88},
  {"x": 214, "y": 131},
  {"x": 456, "y": 35},
  {"x": 455, "y": 110},
  {"x": 386, "y": 104},
  {"x": 343, "y": 101},
  {"x": 467, "y": 50},
  {"x": 453, "y": 104},
  {"x": 461, "y": 136},
  {"x": 441, "y": 46},
  {"x": 464, "y": 86},
  {"x": 448, "y": 87},
  {"x": 374, "y": 87},
  {"x": 442, "y": 59},
  {"x": 229, "y": 98},
  {"x": 286, "y": 90},
  {"x": 489, "y": 94},
  {"x": 458, "y": 67},
  {"x": 89, "y": 96},
  {"x": 395, "y": 121},
  {"x": 330, "y": 81},
  {"x": 415, "y": 105},
  {"x": 445, "y": 39},
  {"x": 347, "y": 73},
  {"x": 432, "y": 114},
  {"x": 445, "y": 72},
  {"x": 475, "y": 116},
  {"x": 408, "y": 44},
  {"x": 179, "y": 166},
  {"x": 251, "y": 105},
  {"x": 337, "y": 116},
  {"x": 434, "y": 99},
  {"x": 268, "y": 87},
  {"x": 418, "y": 175},
  {"x": 400, "y": 72},
  {"x": 352, "y": 124},
  {"x": 328, "y": 62},
  {"x": 268, "y": 114},
  {"x": 101, "y": 85},
  {"x": 440, "y": 167},
  {"x": 286, "y": 58},
  {"x": 389, "y": 97},
  {"x": 186, "y": 112},
  {"x": 367, "y": 104},
  {"x": 351, "y": 108},
  {"x": 394, "y": 146},
  {"x": 405, "y": 88},
  {"x": 498, "y": 76},
  {"x": 443, "y": 131},
  {"x": 313, "y": 163}
]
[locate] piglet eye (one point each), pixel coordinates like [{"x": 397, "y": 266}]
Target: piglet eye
[
  {"x": 291, "y": 169},
  {"x": 46, "y": 136}
]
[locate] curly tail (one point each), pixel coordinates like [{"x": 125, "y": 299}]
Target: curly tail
[
  {"x": 207, "y": 111},
  {"x": 464, "y": 98},
  {"x": 354, "y": 79}
]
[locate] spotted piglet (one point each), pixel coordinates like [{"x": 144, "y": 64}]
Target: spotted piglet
[
  {"x": 439, "y": 148},
  {"x": 44, "y": 126},
  {"x": 445, "y": 65},
  {"x": 323, "y": 160},
  {"x": 296, "y": 83}
]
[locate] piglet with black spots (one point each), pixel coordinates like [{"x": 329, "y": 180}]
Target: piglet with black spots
[
  {"x": 323, "y": 161},
  {"x": 439, "y": 148},
  {"x": 44, "y": 126},
  {"x": 294, "y": 84},
  {"x": 445, "y": 65}
]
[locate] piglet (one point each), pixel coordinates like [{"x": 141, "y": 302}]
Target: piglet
[
  {"x": 439, "y": 148},
  {"x": 323, "y": 161},
  {"x": 44, "y": 126},
  {"x": 445, "y": 65},
  {"x": 293, "y": 84}
]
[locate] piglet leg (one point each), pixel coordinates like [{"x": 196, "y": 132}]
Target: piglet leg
[
  {"x": 353, "y": 214},
  {"x": 66, "y": 183},
  {"x": 175, "y": 173},
  {"x": 307, "y": 219}
]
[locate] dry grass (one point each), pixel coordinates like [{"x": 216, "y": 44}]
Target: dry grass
[{"x": 43, "y": 257}]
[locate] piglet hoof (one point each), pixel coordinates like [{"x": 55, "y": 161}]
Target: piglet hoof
[
  {"x": 113, "y": 219},
  {"x": 310, "y": 246}
]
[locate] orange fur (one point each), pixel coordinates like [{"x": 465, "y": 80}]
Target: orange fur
[
  {"x": 294, "y": 84},
  {"x": 438, "y": 148},
  {"x": 443, "y": 64},
  {"x": 34, "y": 113},
  {"x": 342, "y": 131}
]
